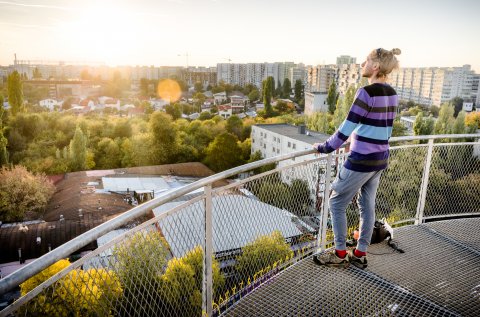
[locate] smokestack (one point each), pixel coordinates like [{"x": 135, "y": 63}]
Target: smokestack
[{"x": 301, "y": 129}]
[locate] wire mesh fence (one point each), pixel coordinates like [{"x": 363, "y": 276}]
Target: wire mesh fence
[{"x": 261, "y": 225}]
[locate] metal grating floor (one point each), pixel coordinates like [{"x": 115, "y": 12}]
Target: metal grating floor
[{"x": 438, "y": 275}]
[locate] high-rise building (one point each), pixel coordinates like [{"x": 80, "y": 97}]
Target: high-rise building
[
  {"x": 435, "y": 85},
  {"x": 320, "y": 77},
  {"x": 252, "y": 73},
  {"x": 346, "y": 59},
  {"x": 347, "y": 75}
]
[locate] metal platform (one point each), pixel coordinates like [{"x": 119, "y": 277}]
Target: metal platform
[{"x": 438, "y": 275}]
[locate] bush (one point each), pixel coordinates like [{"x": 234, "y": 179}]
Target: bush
[
  {"x": 261, "y": 253},
  {"x": 79, "y": 293},
  {"x": 23, "y": 194}
]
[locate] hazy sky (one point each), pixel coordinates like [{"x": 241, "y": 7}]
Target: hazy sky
[{"x": 161, "y": 32}]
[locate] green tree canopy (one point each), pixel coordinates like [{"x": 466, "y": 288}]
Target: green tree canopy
[
  {"x": 287, "y": 88},
  {"x": 332, "y": 97},
  {"x": 15, "y": 92},
  {"x": 298, "y": 89},
  {"x": 78, "y": 150},
  {"x": 268, "y": 88},
  {"x": 223, "y": 153},
  {"x": 164, "y": 138}
]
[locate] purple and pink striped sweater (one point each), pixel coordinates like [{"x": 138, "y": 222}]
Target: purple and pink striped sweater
[{"x": 370, "y": 124}]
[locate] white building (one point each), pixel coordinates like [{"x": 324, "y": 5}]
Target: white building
[
  {"x": 277, "y": 139},
  {"x": 346, "y": 59},
  {"x": 436, "y": 85},
  {"x": 220, "y": 97},
  {"x": 49, "y": 104},
  {"x": 315, "y": 102}
]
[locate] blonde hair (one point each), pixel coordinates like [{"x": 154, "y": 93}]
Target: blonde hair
[{"x": 386, "y": 59}]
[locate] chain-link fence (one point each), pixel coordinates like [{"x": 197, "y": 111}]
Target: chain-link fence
[{"x": 197, "y": 256}]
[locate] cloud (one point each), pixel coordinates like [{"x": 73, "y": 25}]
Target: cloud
[{"x": 40, "y": 6}]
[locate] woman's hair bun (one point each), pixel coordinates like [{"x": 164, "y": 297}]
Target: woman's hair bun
[{"x": 396, "y": 51}]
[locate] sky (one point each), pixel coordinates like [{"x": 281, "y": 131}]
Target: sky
[{"x": 163, "y": 32}]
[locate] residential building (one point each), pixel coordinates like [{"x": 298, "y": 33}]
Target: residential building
[
  {"x": 220, "y": 97},
  {"x": 253, "y": 73},
  {"x": 320, "y": 77},
  {"x": 346, "y": 59},
  {"x": 278, "y": 139},
  {"x": 347, "y": 75},
  {"x": 435, "y": 85},
  {"x": 49, "y": 104},
  {"x": 315, "y": 102},
  {"x": 299, "y": 72}
]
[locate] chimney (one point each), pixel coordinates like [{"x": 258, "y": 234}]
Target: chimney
[{"x": 301, "y": 129}]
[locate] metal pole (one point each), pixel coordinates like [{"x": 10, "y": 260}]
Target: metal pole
[
  {"x": 423, "y": 188},
  {"x": 207, "y": 290},
  {"x": 322, "y": 230}
]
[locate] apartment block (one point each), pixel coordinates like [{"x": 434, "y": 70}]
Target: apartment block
[
  {"x": 253, "y": 73},
  {"x": 436, "y": 85},
  {"x": 320, "y": 77},
  {"x": 346, "y": 59}
]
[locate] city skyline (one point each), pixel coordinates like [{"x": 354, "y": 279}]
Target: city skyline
[{"x": 161, "y": 33}]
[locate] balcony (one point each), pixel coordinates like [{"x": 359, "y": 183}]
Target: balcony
[{"x": 244, "y": 249}]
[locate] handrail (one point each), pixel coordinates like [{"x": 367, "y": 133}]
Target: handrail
[{"x": 63, "y": 251}]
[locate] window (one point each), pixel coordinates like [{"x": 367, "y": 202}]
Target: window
[
  {"x": 278, "y": 151},
  {"x": 289, "y": 144},
  {"x": 294, "y": 146},
  {"x": 274, "y": 139},
  {"x": 265, "y": 146}
]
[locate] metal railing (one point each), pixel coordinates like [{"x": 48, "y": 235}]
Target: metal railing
[{"x": 201, "y": 254}]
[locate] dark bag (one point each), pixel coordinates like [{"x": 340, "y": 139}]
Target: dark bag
[
  {"x": 383, "y": 231},
  {"x": 380, "y": 232}
]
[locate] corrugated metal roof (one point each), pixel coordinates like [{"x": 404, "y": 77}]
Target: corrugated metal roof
[
  {"x": 231, "y": 213},
  {"x": 121, "y": 184}
]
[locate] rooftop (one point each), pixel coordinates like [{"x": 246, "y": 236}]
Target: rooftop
[{"x": 292, "y": 131}]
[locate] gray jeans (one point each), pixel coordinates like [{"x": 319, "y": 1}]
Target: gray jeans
[{"x": 344, "y": 188}]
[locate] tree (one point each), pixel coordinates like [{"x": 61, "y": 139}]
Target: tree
[
  {"x": 268, "y": 88},
  {"x": 457, "y": 104},
  {"x": 253, "y": 95},
  {"x": 287, "y": 88},
  {"x": 205, "y": 115},
  {"x": 15, "y": 93},
  {"x": 183, "y": 282},
  {"x": 332, "y": 97},
  {"x": 22, "y": 194},
  {"x": 445, "y": 119},
  {"x": 235, "y": 126},
  {"x": 298, "y": 90},
  {"x": 36, "y": 73},
  {"x": 140, "y": 262},
  {"x": 164, "y": 138},
  {"x": 398, "y": 129},
  {"x": 472, "y": 121},
  {"x": 262, "y": 253},
  {"x": 223, "y": 153},
  {"x": 79, "y": 293},
  {"x": 174, "y": 110},
  {"x": 108, "y": 154},
  {"x": 343, "y": 107},
  {"x": 198, "y": 86},
  {"x": 78, "y": 151},
  {"x": 3, "y": 139},
  {"x": 459, "y": 124},
  {"x": 422, "y": 125},
  {"x": 144, "y": 85}
]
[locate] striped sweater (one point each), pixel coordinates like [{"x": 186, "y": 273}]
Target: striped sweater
[{"x": 370, "y": 124}]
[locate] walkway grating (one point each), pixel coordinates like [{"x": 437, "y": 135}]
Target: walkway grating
[{"x": 438, "y": 275}]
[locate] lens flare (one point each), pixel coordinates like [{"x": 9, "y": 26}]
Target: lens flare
[{"x": 169, "y": 89}]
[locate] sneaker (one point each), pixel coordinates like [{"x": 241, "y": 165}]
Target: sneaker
[
  {"x": 360, "y": 262},
  {"x": 331, "y": 259}
]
